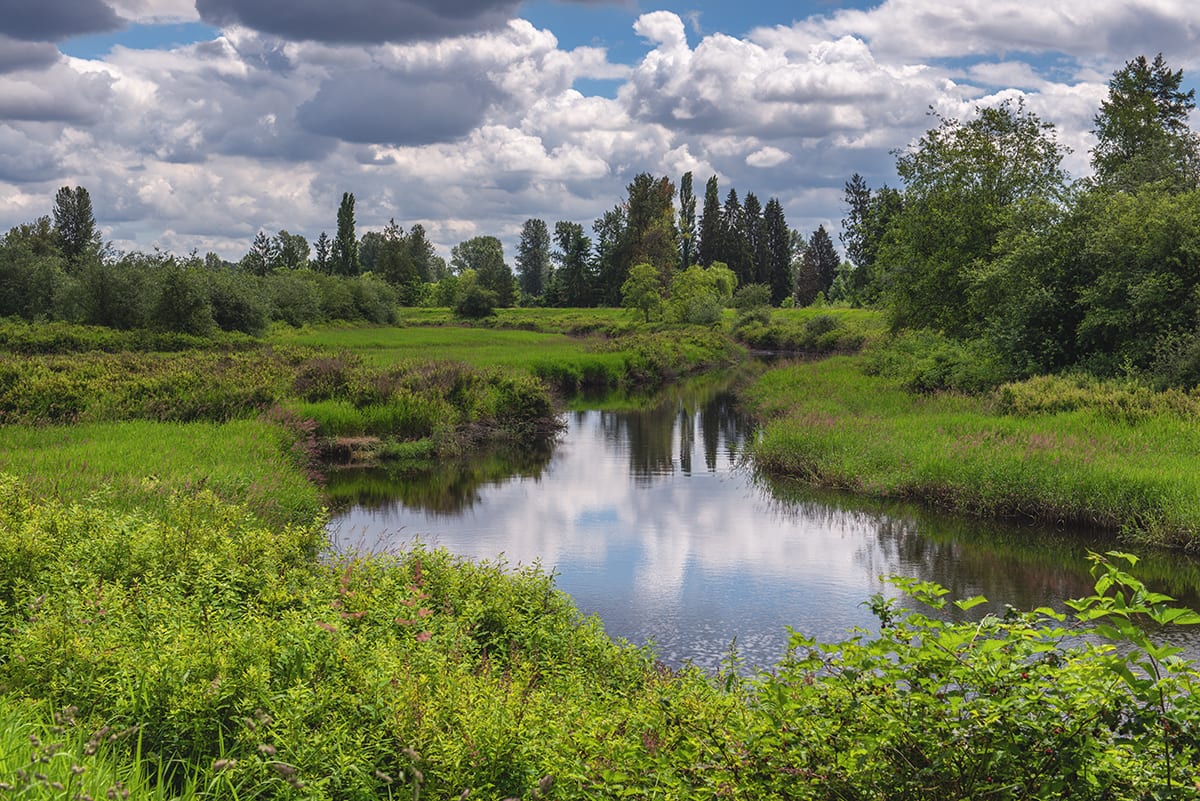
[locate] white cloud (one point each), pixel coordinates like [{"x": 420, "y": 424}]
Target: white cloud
[{"x": 203, "y": 145}]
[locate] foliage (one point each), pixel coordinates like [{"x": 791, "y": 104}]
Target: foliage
[
  {"x": 475, "y": 302},
  {"x": 642, "y": 290},
  {"x": 1142, "y": 129},
  {"x": 962, "y": 181},
  {"x": 699, "y": 294},
  {"x": 831, "y": 425},
  {"x": 927, "y": 362},
  {"x": 1012, "y": 706}
]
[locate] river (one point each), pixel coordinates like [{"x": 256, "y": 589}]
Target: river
[{"x": 652, "y": 519}]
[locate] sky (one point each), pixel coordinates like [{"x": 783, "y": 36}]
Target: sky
[{"x": 194, "y": 124}]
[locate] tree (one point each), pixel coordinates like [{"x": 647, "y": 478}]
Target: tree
[
  {"x": 393, "y": 259},
  {"x": 1142, "y": 129},
  {"x": 823, "y": 257},
  {"x": 32, "y": 279},
  {"x": 651, "y": 236},
  {"x": 735, "y": 241},
  {"x": 610, "y": 230},
  {"x": 261, "y": 258},
  {"x": 854, "y": 234},
  {"x": 485, "y": 256},
  {"x": 779, "y": 251},
  {"x": 643, "y": 290},
  {"x": 533, "y": 257},
  {"x": 711, "y": 244},
  {"x": 572, "y": 280},
  {"x": 426, "y": 262},
  {"x": 345, "y": 245},
  {"x": 687, "y": 222},
  {"x": 75, "y": 226},
  {"x": 323, "y": 263},
  {"x": 291, "y": 251},
  {"x": 756, "y": 239},
  {"x": 963, "y": 183}
]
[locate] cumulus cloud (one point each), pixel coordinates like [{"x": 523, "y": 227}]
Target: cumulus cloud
[
  {"x": 396, "y": 108},
  {"x": 51, "y": 20},
  {"x": 360, "y": 21},
  {"x": 1082, "y": 28},
  {"x": 56, "y": 94},
  {"x": 265, "y": 126},
  {"x": 17, "y": 55}
]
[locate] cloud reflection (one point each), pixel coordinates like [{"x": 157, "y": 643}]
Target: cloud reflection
[{"x": 652, "y": 522}]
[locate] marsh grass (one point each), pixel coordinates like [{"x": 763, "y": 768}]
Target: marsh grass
[
  {"x": 830, "y": 424},
  {"x": 140, "y": 464}
]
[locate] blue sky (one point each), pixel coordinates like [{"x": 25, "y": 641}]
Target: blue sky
[{"x": 196, "y": 123}]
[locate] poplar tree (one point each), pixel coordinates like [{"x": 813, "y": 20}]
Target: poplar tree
[
  {"x": 345, "y": 245},
  {"x": 687, "y": 221}
]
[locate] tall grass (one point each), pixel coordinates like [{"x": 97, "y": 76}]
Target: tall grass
[
  {"x": 830, "y": 424},
  {"x": 141, "y": 464}
]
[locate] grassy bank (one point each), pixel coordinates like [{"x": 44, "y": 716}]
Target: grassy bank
[
  {"x": 191, "y": 652},
  {"x": 1056, "y": 450}
]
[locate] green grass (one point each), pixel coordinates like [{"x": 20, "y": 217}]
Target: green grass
[
  {"x": 831, "y": 425},
  {"x": 140, "y": 464}
]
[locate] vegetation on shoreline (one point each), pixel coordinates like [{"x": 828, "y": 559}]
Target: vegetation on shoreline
[
  {"x": 1070, "y": 452},
  {"x": 220, "y": 658}
]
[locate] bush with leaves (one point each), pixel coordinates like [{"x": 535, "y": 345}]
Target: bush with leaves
[{"x": 1014, "y": 705}]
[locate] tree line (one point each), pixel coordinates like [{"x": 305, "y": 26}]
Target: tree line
[
  {"x": 989, "y": 241},
  {"x": 58, "y": 268}
]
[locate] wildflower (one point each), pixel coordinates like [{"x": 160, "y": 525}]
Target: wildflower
[{"x": 424, "y": 636}]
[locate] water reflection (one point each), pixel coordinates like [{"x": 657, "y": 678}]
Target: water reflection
[{"x": 652, "y": 523}]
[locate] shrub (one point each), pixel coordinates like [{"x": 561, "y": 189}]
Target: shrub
[{"x": 475, "y": 303}]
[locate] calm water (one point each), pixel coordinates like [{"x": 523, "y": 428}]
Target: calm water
[{"x": 652, "y": 521}]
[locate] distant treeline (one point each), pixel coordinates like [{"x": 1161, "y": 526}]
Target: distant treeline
[{"x": 57, "y": 268}]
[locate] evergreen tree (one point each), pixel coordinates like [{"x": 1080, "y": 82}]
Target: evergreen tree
[
  {"x": 610, "y": 246},
  {"x": 75, "y": 226},
  {"x": 779, "y": 251},
  {"x": 711, "y": 245},
  {"x": 572, "y": 281},
  {"x": 345, "y": 246},
  {"x": 756, "y": 244},
  {"x": 260, "y": 259},
  {"x": 1142, "y": 128},
  {"x": 687, "y": 222},
  {"x": 427, "y": 264},
  {"x": 735, "y": 246},
  {"x": 323, "y": 263},
  {"x": 533, "y": 257},
  {"x": 824, "y": 258}
]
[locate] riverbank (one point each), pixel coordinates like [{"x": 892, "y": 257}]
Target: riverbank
[
  {"x": 231, "y": 659},
  {"x": 1071, "y": 451}
]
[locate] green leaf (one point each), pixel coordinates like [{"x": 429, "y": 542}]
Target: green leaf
[{"x": 970, "y": 603}]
